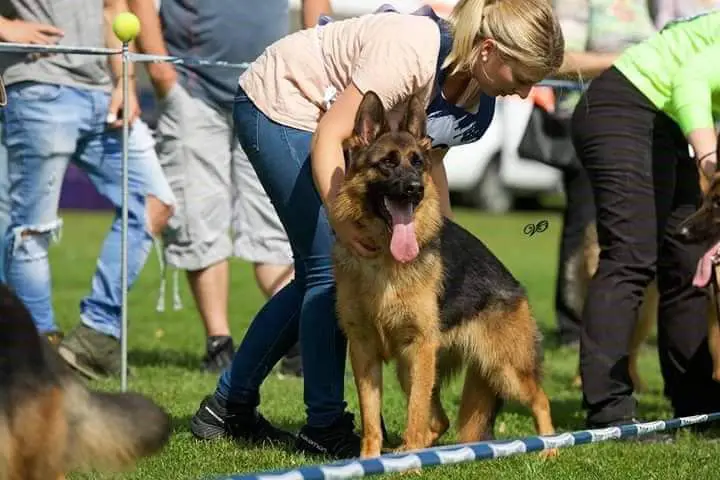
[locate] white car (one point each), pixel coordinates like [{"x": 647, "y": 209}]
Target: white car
[{"x": 488, "y": 174}]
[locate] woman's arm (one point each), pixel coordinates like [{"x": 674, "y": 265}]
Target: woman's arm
[
  {"x": 393, "y": 63},
  {"x": 574, "y": 17},
  {"x": 704, "y": 143},
  {"x": 439, "y": 177},
  {"x": 585, "y": 64},
  {"x": 691, "y": 104},
  {"x": 312, "y": 9},
  {"x": 328, "y": 164},
  {"x": 692, "y": 89}
]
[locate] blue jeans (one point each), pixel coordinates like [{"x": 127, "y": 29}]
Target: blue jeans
[
  {"x": 4, "y": 200},
  {"x": 306, "y": 306},
  {"x": 47, "y": 126}
]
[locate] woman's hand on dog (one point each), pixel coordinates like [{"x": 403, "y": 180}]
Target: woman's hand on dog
[
  {"x": 709, "y": 165},
  {"x": 350, "y": 234}
]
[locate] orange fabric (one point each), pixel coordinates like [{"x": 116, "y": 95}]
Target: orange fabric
[{"x": 544, "y": 97}]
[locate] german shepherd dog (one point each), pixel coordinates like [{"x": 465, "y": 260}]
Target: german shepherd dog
[
  {"x": 434, "y": 299},
  {"x": 50, "y": 423},
  {"x": 704, "y": 226}
]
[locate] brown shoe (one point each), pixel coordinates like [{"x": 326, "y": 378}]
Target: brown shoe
[{"x": 91, "y": 353}]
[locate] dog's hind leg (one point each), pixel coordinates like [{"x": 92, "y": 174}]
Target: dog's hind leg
[
  {"x": 479, "y": 407},
  {"x": 367, "y": 370},
  {"x": 647, "y": 318},
  {"x": 525, "y": 388},
  {"x": 439, "y": 422}
]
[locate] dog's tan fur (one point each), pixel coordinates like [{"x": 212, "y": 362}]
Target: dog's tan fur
[
  {"x": 390, "y": 311},
  {"x": 707, "y": 219},
  {"x": 51, "y": 423}
]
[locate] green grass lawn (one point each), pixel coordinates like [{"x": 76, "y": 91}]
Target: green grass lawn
[{"x": 165, "y": 350}]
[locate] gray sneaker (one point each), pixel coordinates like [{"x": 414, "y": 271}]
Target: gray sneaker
[{"x": 91, "y": 353}]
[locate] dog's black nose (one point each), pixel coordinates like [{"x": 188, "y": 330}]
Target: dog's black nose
[{"x": 414, "y": 188}]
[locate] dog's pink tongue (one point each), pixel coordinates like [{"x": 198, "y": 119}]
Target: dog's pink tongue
[
  {"x": 403, "y": 245},
  {"x": 704, "y": 267}
]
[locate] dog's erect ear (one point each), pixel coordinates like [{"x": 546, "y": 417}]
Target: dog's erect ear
[
  {"x": 415, "y": 121},
  {"x": 370, "y": 120}
]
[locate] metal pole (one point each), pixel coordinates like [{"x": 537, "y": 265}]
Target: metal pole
[{"x": 124, "y": 225}]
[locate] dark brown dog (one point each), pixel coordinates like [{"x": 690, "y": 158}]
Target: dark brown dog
[
  {"x": 50, "y": 423},
  {"x": 434, "y": 299},
  {"x": 704, "y": 226}
]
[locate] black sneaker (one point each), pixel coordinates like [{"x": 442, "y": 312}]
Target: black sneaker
[
  {"x": 654, "y": 437},
  {"x": 220, "y": 351},
  {"x": 338, "y": 440},
  {"x": 212, "y": 420}
]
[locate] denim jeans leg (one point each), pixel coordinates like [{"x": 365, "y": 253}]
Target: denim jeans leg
[
  {"x": 101, "y": 158},
  {"x": 280, "y": 156},
  {"x": 4, "y": 200},
  {"x": 42, "y": 125},
  {"x": 271, "y": 334}
]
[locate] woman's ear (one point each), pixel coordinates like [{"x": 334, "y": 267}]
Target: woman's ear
[{"x": 487, "y": 46}]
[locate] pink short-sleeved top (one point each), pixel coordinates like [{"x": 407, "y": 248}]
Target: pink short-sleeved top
[{"x": 392, "y": 54}]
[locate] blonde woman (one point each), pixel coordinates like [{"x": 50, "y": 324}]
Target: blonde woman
[{"x": 295, "y": 106}]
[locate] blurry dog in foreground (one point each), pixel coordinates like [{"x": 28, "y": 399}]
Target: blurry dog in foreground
[
  {"x": 704, "y": 226},
  {"x": 580, "y": 270},
  {"x": 50, "y": 423},
  {"x": 434, "y": 299}
]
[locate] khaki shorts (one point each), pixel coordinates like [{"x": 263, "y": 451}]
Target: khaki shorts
[{"x": 216, "y": 189}]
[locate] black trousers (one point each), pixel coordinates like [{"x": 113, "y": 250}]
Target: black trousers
[
  {"x": 644, "y": 185},
  {"x": 579, "y": 212}
]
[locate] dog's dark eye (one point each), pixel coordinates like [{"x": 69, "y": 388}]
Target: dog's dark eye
[
  {"x": 716, "y": 202},
  {"x": 417, "y": 161}
]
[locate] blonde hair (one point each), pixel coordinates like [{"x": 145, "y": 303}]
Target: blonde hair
[{"x": 526, "y": 32}]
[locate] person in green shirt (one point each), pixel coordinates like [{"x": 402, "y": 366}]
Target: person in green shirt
[{"x": 631, "y": 130}]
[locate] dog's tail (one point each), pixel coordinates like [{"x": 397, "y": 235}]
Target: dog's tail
[{"x": 111, "y": 430}]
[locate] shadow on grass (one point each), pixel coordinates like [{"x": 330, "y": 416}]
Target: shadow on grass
[{"x": 163, "y": 358}]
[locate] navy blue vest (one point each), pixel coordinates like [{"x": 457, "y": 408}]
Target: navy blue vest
[{"x": 448, "y": 125}]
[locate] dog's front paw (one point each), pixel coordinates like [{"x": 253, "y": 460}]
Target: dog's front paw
[
  {"x": 370, "y": 446},
  {"x": 549, "y": 453}
]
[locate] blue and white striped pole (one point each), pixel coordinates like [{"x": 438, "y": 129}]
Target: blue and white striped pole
[{"x": 471, "y": 452}]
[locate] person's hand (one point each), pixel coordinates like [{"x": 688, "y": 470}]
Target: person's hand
[
  {"x": 19, "y": 31},
  {"x": 351, "y": 235},
  {"x": 115, "y": 112},
  {"x": 708, "y": 164}
]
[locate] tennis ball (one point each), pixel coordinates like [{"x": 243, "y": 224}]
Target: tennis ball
[{"x": 126, "y": 26}]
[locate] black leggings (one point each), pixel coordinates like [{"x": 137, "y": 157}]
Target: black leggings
[{"x": 644, "y": 185}]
